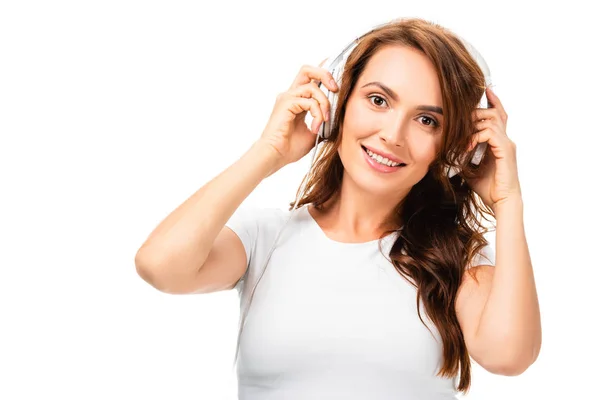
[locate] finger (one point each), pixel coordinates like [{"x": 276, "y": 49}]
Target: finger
[
  {"x": 495, "y": 102},
  {"x": 486, "y": 113},
  {"x": 479, "y": 137},
  {"x": 311, "y": 90},
  {"x": 487, "y": 135},
  {"x": 308, "y": 72},
  {"x": 298, "y": 105},
  {"x": 487, "y": 123}
]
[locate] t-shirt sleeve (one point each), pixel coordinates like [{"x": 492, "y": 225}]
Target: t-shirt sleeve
[
  {"x": 487, "y": 255},
  {"x": 244, "y": 223},
  {"x": 255, "y": 226}
]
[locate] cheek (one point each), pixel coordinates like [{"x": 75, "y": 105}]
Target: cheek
[
  {"x": 359, "y": 118},
  {"x": 425, "y": 151}
]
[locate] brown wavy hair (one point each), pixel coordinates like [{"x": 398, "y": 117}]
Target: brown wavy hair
[{"x": 441, "y": 232}]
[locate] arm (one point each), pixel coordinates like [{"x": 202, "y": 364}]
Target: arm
[
  {"x": 500, "y": 315},
  {"x": 178, "y": 247}
]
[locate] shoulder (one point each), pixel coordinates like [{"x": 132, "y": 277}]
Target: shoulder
[
  {"x": 257, "y": 227},
  {"x": 251, "y": 222},
  {"x": 259, "y": 215}
]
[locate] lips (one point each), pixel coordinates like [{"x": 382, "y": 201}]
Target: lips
[{"x": 389, "y": 157}]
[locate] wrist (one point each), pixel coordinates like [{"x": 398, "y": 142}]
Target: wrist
[
  {"x": 267, "y": 154},
  {"x": 515, "y": 201}
]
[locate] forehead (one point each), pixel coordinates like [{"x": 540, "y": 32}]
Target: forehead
[{"x": 407, "y": 72}]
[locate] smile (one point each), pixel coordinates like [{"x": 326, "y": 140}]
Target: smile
[{"x": 377, "y": 165}]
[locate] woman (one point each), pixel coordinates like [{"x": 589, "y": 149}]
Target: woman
[{"x": 379, "y": 286}]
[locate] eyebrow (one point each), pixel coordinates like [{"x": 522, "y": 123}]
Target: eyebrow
[{"x": 394, "y": 97}]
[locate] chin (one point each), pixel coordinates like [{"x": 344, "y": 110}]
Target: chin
[{"x": 368, "y": 181}]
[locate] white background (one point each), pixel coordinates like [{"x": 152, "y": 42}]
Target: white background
[{"x": 112, "y": 113}]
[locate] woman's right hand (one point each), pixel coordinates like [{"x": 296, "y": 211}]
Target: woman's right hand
[{"x": 286, "y": 131}]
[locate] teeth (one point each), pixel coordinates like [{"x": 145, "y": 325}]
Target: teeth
[{"x": 381, "y": 160}]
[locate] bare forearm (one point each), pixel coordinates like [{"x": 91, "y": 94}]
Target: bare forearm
[
  {"x": 510, "y": 321},
  {"x": 182, "y": 241}
]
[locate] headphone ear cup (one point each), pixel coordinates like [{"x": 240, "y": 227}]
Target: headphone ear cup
[
  {"x": 325, "y": 131},
  {"x": 324, "y": 128}
]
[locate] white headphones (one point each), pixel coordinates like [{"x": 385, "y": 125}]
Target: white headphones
[{"x": 335, "y": 65}]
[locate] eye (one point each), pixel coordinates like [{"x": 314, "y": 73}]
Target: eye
[
  {"x": 433, "y": 123},
  {"x": 377, "y": 97}
]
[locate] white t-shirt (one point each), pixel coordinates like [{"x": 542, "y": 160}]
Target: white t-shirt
[{"x": 329, "y": 319}]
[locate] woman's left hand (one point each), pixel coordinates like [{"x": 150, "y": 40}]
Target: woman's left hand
[{"x": 500, "y": 180}]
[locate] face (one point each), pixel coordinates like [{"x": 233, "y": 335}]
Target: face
[{"x": 401, "y": 118}]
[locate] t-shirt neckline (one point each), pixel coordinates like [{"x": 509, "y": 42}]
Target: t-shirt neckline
[{"x": 324, "y": 236}]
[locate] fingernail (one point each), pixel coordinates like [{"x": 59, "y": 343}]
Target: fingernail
[{"x": 332, "y": 82}]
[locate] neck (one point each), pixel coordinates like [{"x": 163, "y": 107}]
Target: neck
[{"x": 360, "y": 214}]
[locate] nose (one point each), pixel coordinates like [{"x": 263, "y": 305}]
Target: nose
[{"x": 394, "y": 133}]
